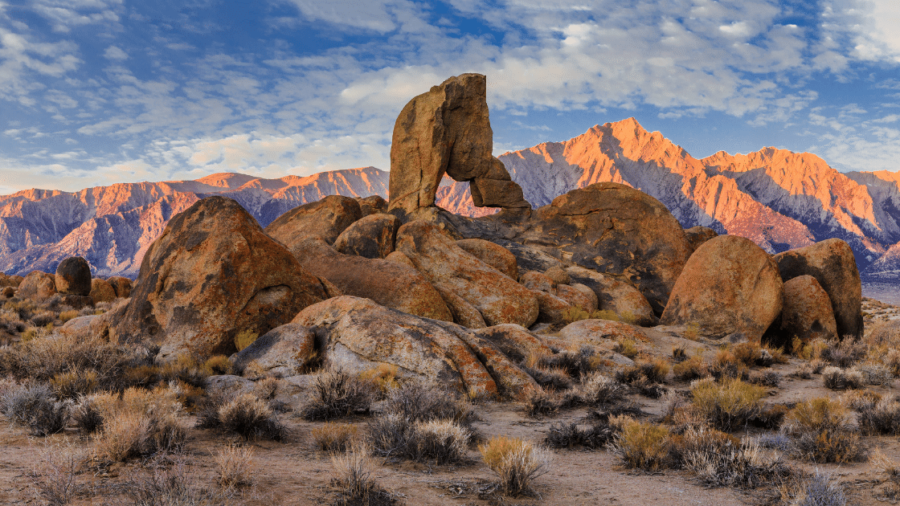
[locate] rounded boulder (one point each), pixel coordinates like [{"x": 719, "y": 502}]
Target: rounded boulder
[{"x": 73, "y": 277}]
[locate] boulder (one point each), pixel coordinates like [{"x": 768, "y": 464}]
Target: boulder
[
  {"x": 87, "y": 327},
  {"x": 492, "y": 254},
  {"x": 615, "y": 229},
  {"x": 833, "y": 265},
  {"x": 121, "y": 285},
  {"x": 370, "y": 237},
  {"x": 228, "y": 386},
  {"x": 578, "y": 295},
  {"x": 73, "y": 276},
  {"x": 498, "y": 298},
  {"x": 372, "y": 205},
  {"x": 615, "y": 295},
  {"x": 514, "y": 341},
  {"x": 534, "y": 280},
  {"x": 552, "y": 309},
  {"x": 37, "y": 286},
  {"x": 283, "y": 351},
  {"x": 447, "y": 131},
  {"x": 463, "y": 313},
  {"x": 807, "y": 310},
  {"x": 102, "y": 291},
  {"x": 6, "y": 280},
  {"x": 325, "y": 219},
  {"x": 699, "y": 235},
  {"x": 212, "y": 274},
  {"x": 531, "y": 258},
  {"x": 558, "y": 275},
  {"x": 440, "y": 351},
  {"x": 729, "y": 286},
  {"x": 8, "y": 292},
  {"x": 390, "y": 284},
  {"x": 76, "y": 301},
  {"x": 400, "y": 258},
  {"x": 599, "y": 331}
]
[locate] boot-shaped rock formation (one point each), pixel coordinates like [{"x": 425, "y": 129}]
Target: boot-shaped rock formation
[{"x": 447, "y": 130}]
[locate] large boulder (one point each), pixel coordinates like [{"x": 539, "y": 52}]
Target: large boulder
[
  {"x": 449, "y": 267},
  {"x": 807, "y": 310},
  {"x": 370, "y": 237},
  {"x": 325, "y": 219},
  {"x": 37, "y": 286},
  {"x": 463, "y": 313},
  {"x": 492, "y": 254},
  {"x": 615, "y": 295},
  {"x": 698, "y": 235},
  {"x": 447, "y": 131},
  {"x": 73, "y": 277},
  {"x": 390, "y": 284},
  {"x": 729, "y": 286},
  {"x": 7, "y": 280},
  {"x": 360, "y": 330},
  {"x": 613, "y": 228},
  {"x": 121, "y": 285},
  {"x": 212, "y": 274},
  {"x": 102, "y": 291},
  {"x": 283, "y": 351},
  {"x": 372, "y": 205},
  {"x": 833, "y": 265}
]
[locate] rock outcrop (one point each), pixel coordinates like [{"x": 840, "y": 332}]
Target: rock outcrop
[
  {"x": 325, "y": 219},
  {"x": 37, "y": 286},
  {"x": 698, "y": 235},
  {"x": 492, "y": 254},
  {"x": 371, "y": 237},
  {"x": 498, "y": 298},
  {"x": 73, "y": 277},
  {"x": 615, "y": 295},
  {"x": 447, "y": 131},
  {"x": 121, "y": 285},
  {"x": 807, "y": 312},
  {"x": 102, "y": 291},
  {"x": 729, "y": 286},
  {"x": 833, "y": 265},
  {"x": 390, "y": 284},
  {"x": 283, "y": 351},
  {"x": 212, "y": 274}
]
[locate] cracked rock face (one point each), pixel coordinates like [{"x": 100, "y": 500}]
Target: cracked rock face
[
  {"x": 212, "y": 274},
  {"x": 447, "y": 131}
]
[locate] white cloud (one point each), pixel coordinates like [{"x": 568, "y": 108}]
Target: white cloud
[{"x": 114, "y": 53}]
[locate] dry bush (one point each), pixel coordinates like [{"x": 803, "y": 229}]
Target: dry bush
[
  {"x": 35, "y": 407},
  {"x": 764, "y": 378},
  {"x": 354, "y": 483},
  {"x": 691, "y": 331},
  {"x": 244, "y": 339},
  {"x": 652, "y": 371},
  {"x": 68, "y": 315},
  {"x": 719, "y": 460},
  {"x": 690, "y": 369},
  {"x": 726, "y": 365},
  {"x": 752, "y": 353},
  {"x": 422, "y": 402},
  {"x": 822, "y": 432},
  {"x": 334, "y": 437},
  {"x": 166, "y": 481},
  {"x": 543, "y": 402},
  {"x": 889, "y": 471},
  {"x": 644, "y": 446},
  {"x": 138, "y": 423},
  {"x": 569, "y": 435},
  {"x": 882, "y": 417},
  {"x": 217, "y": 365},
  {"x": 836, "y": 378},
  {"x": 875, "y": 374},
  {"x": 234, "y": 467},
  {"x": 516, "y": 462},
  {"x": 576, "y": 362},
  {"x": 626, "y": 347},
  {"x": 383, "y": 377},
  {"x": 598, "y": 389},
  {"x": 556, "y": 378},
  {"x": 844, "y": 353},
  {"x": 891, "y": 360},
  {"x": 819, "y": 490},
  {"x": 336, "y": 394},
  {"x": 74, "y": 383},
  {"x": 54, "y": 477},
  {"x": 441, "y": 441},
  {"x": 860, "y": 399},
  {"x": 728, "y": 404},
  {"x": 249, "y": 417}
]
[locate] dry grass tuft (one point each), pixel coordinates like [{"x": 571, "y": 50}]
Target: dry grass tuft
[
  {"x": 728, "y": 404},
  {"x": 836, "y": 378},
  {"x": 354, "y": 483},
  {"x": 334, "y": 437},
  {"x": 337, "y": 394},
  {"x": 822, "y": 432},
  {"x": 234, "y": 467},
  {"x": 643, "y": 445},
  {"x": 516, "y": 462}
]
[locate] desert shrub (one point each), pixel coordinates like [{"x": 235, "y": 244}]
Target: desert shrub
[
  {"x": 821, "y": 490},
  {"x": 652, "y": 371},
  {"x": 86, "y": 416},
  {"x": 440, "y": 441},
  {"x": 383, "y": 377},
  {"x": 334, "y": 437},
  {"x": 720, "y": 460},
  {"x": 882, "y": 417},
  {"x": 764, "y": 378},
  {"x": 163, "y": 484},
  {"x": 34, "y": 407},
  {"x": 691, "y": 331},
  {"x": 751, "y": 353},
  {"x": 569, "y": 435},
  {"x": 727, "y": 404},
  {"x": 354, "y": 483},
  {"x": 251, "y": 418},
  {"x": 234, "y": 467},
  {"x": 690, "y": 369},
  {"x": 336, "y": 394},
  {"x": 836, "y": 378},
  {"x": 599, "y": 389},
  {"x": 54, "y": 476},
  {"x": 245, "y": 338},
  {"x": 726, "y": 365},
  {"x": 626, "y": 347},
  {"x": 422, "y": 402},
  {"x": 556, "y": 378},
  {"x": 643, "y": 445},
  {"x": 68, "y": 315},
  {"x": 517, "y": 463},
  {"x": 138, "y": 423},
  {"x": 875, "y": 374},
  {"x": 821, "y": 431},
  {"x": 889, "y": 471},
  {"x": 843, "y": 353},
  {"x": 71, "y": 384},
  {"x": 860, "y": 399},
  {"x": 891, "y": 360},
  {"x": 392, "y": 435},
  {"x": 770, "y": 417},
  {"x": 217, "y": 365},
  {"x": 184, "y": 368},
  {"x": 576, "y": 363},
  {"x": 542, "y": 402}
]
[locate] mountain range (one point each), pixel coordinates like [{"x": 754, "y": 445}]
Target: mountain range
[{"x": 777, "y": 198}]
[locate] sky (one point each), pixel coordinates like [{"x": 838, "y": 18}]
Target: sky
[{"x": 95, "y": 92}]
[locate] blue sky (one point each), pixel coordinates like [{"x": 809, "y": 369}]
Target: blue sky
[{"x": 94, "y": 92}]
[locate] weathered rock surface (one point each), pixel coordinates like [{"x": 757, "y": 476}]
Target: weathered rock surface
[
  {"x": 613, "y": 228},
  {"x": 833, "y": 265},
  {"x": 390, "y": 284},
  {"x": 325, "y": 219},
  {"x": 729, "y": 285},
  {"x": 699, "y": 235},
  {"x": 372, "y": 205},
  {"x": 211, "y": 274},
  {"x": 498, "y": 298},
  {"x": 73, "y": 276},
  {"x": 463, "y": 313},
  {"x": 440, "y": 351},
  {"x": 282, "y": 351},
  {"x": 529, "y": 258},
  {"x": 552, "y": 309},
  {"x": 12, "y": 281},
  {"x": 102, "y": 291},
  {"x": 616, "y": 296},
  {"x": 558, "y": 275},
  {"x": 492, "y": 254},
  {"x": 539, "y": 281},
  {"x": 578, "y": 295},
  {"x": 121, "y": 285},
  {"x": 370, "y": 237},
  {"x": 228, "y": 386},
  {"x": 399, "y": 258},
  {"x": 447, "y": 131},
  {"x": 514, "y": 341},
  {"x": 807, "y": 312},
  {"x": 37, "y": 286}
]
